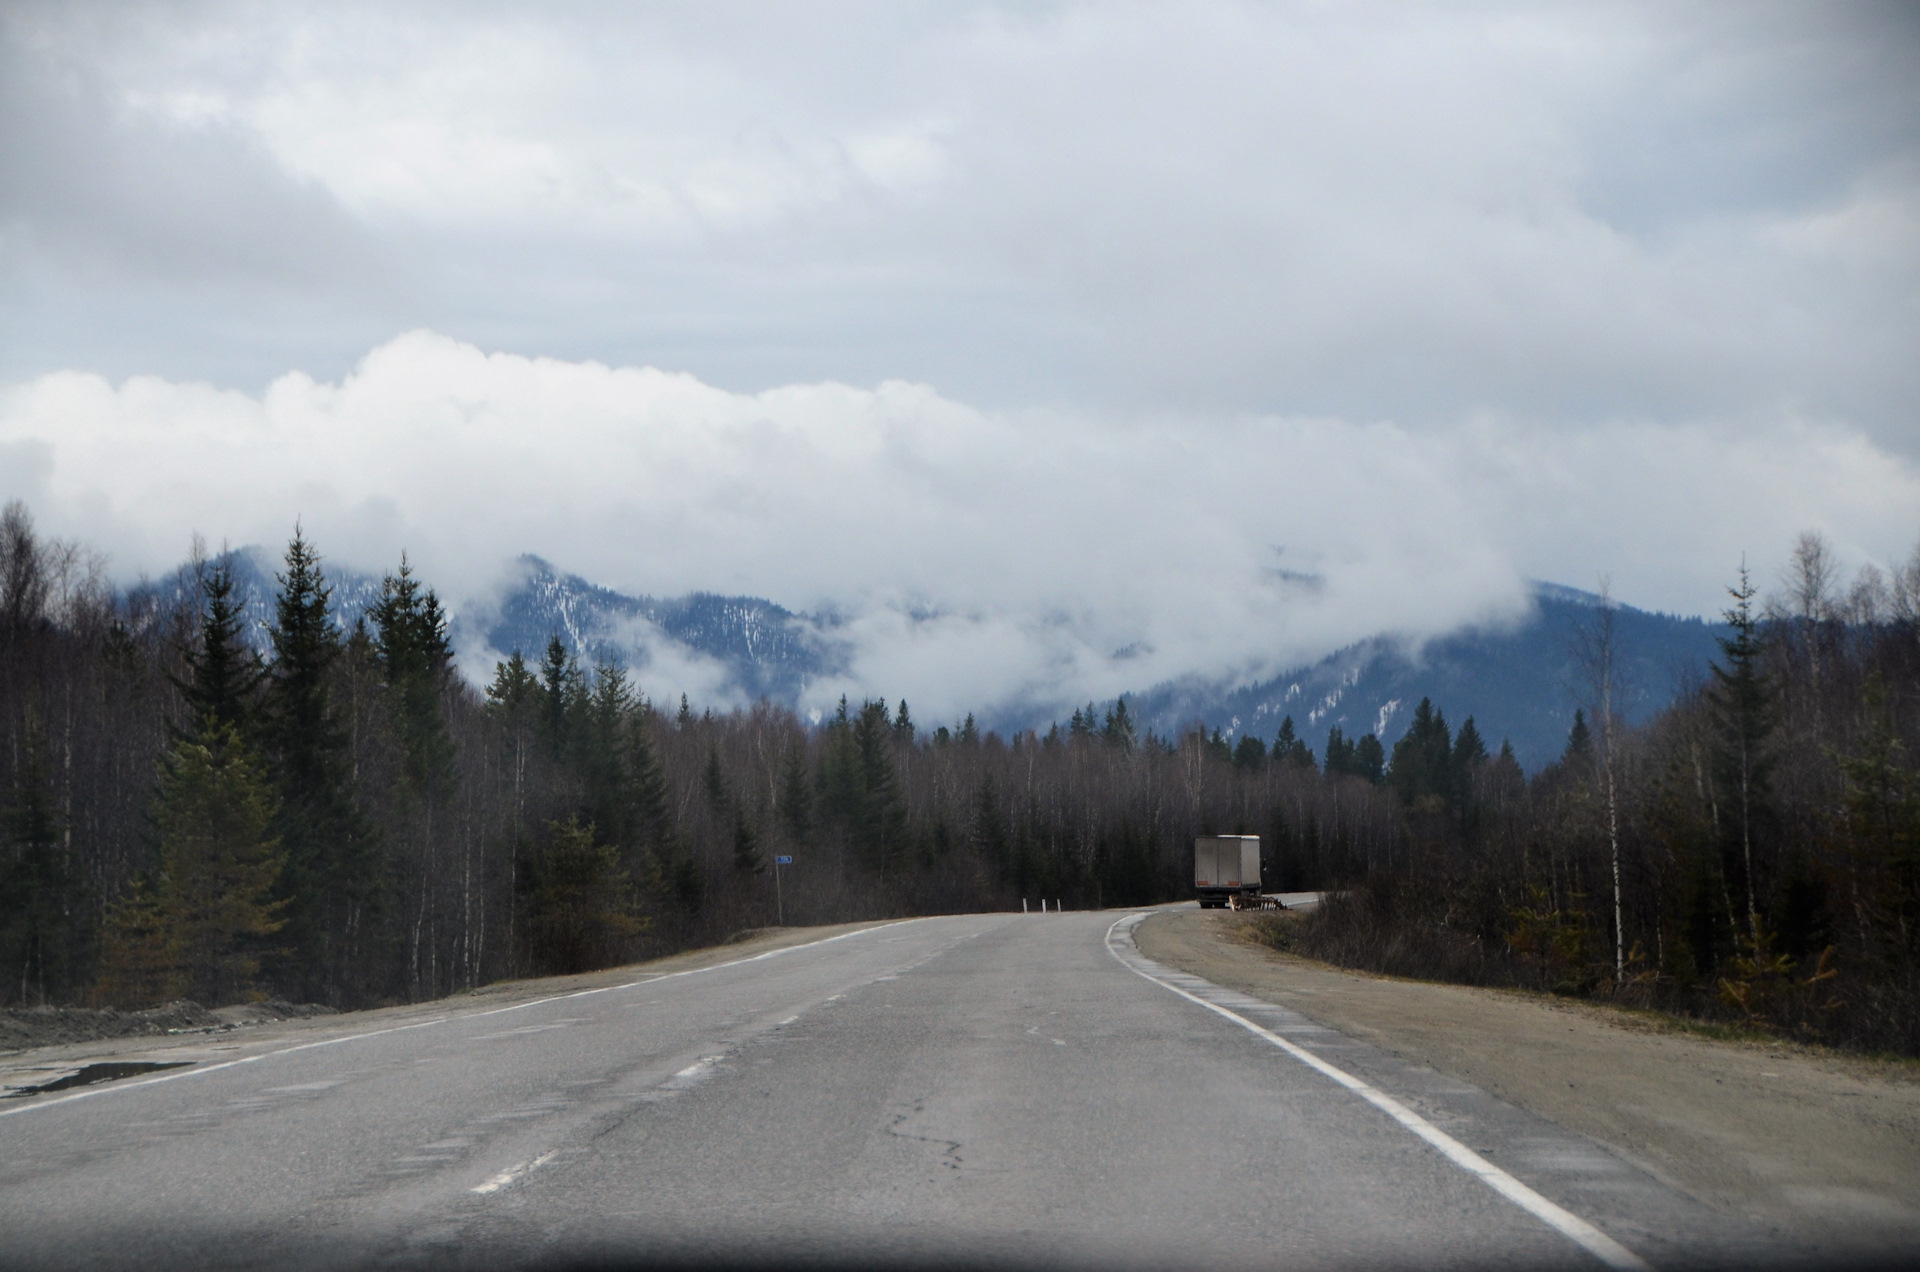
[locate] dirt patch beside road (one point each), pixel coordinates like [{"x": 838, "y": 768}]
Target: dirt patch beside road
[{"x": 1818, "y": 1142}]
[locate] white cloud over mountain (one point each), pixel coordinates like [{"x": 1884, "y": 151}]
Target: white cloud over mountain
[
  {"x": 1171, "y": 308},
  {"x": 976, "y": 556}
]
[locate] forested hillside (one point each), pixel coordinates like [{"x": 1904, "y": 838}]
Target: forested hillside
[
  {"x": 1522, "y": 681},
  {"x": 345, "y": 819}
]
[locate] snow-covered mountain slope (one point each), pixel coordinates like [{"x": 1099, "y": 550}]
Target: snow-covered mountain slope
[{"x": 1521, "y": 683}]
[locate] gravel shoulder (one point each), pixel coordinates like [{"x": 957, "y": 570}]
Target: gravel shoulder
[
  {"x": 1818, "y": 1142},
  {"x": 36, "y": 1052}
]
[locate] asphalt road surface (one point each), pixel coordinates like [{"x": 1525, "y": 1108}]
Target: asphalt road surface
[{"x": 983, "y": 1088}]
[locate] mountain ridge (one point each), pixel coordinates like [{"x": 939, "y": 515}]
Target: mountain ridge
[{"x": 1519, "y": 681}]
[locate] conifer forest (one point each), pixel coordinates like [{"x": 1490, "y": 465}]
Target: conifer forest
[{"x": 345, "y": 819}]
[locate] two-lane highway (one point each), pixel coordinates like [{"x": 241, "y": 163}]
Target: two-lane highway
[{"x": 1020, "y": 1087}]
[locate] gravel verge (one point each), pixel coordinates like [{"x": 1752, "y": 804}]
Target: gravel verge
[{"x": 1820, "y": 1143}]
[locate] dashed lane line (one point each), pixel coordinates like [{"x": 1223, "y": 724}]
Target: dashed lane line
[{"x": 514, "y": 1173}]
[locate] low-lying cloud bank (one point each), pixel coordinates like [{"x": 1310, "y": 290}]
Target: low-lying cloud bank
[{"x": 975, "y": 557}]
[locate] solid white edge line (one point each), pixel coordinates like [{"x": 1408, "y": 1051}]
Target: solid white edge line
[
  {"x": 1578, "y": 1230},
  {"x": 110, "y": 1088}
]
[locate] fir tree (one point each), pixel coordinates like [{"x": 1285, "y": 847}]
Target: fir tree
[
  {"x": 415, "y": 659},
  {"x": 746, "y": 846},
  {"x": 559, "y": 681},
  {"x": 514, "y": 688},
  {"x": 219, "y": 862},
  {"x": 1118, "y": 731},
  {"x": 331, "y": 881},
  {"x": 796, "y": 796},
  {"x": 1579, "y": 753},
  {"x": 1340, "y": 754},
  {"x": 719, "y": 798},
  {"x": 223, "y": 672},
  {"x": 649, "y": 807},
  {"x": 583, "y": 912},
  {"x": 1368, "y": 759},
  {"x": 1744, "y": 716},
  {"x": 1290, "y": 750},
  {"x": 880, "y": 813},
  {"x": 903, "y": 724}
]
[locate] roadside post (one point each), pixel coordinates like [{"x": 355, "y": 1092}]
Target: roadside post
[{"x": 779, "y": 906}]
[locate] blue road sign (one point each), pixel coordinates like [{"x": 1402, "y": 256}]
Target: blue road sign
[{"x": 783, "y": 861}]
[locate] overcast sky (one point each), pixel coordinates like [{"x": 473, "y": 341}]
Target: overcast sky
[{"x": 1214, "y": 334}]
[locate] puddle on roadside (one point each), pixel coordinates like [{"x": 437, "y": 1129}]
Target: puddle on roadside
[{"x": 88, "y": 1075}]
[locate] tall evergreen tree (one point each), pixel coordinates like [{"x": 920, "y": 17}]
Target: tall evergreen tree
[
  {"x": 332, "y": 883},
  {"x": 514, "y": 689},
  {"x": 415, "y": 660},
  {"x": 1744, "y": 716},
  {"x": 560, "y": 686},
  {"x": 219, "y": 863},
  {"x": 880, "y": 816},
  {"x": 1340, "y": 754},
  {"x": 796, "y": 795},
  {"x": 583, "y": 910},
  {"x": 223, "y": 672},
  {"x": 1368, "y": 759}
]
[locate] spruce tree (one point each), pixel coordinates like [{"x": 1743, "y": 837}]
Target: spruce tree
[
  {"x": 1368, "y": 759},
  {"x": 223, "y": 671},
  {"x": 559, "y": 681},
  {"x": 796, "y": 795},
  {"x": 219, "y": 863},
  {"x": 331, "y": 883},
  {"x": 415, "y": 660},
  {"x": 1340, "y": 752},
  {"x": 719, "y": 798},
  {"x": 1579, "y": 753},
  {"x": 514, "y": 687},
  {"x": 583, "y": 913},
  {"x": 879, "y": 821},
  {"x": 746, "y": 846},
  {"x": 1744, "y": 716}
]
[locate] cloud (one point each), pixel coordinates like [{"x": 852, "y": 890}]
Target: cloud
[
  {"x": 1576, "y": 212},
  {"x": 975, "y": 557}
]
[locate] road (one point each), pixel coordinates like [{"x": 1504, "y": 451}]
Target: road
[{"x": 1026, "y": 1089}]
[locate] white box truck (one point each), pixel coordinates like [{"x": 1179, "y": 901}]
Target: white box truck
[{"x": 1225, "y": 866}]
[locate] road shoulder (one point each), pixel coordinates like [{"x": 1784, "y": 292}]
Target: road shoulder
[{"x": 1822, "y": 1143}]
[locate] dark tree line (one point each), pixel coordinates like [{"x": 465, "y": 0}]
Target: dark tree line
[
  {"x": 345, "y": 819},
  {"x": 1751, "y": 854}
]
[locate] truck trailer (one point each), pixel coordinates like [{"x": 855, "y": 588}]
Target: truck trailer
[{"x": 1226, "y": 867}]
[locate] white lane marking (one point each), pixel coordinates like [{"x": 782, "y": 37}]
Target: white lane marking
[
  {"x": 789, "y": 1020},
  {"x": 512, "y": 1173},
  {"x": 1567, "y": 1224},
  {"x": 117, "y": 1087},
  {"x": 214, "y": 1068}
]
